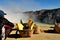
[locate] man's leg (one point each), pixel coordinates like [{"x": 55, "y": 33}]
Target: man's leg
[
  {"x": 0, "y": 34},
  {"x": 3, "y": 33},
  {"x": 7, "y": 32}
]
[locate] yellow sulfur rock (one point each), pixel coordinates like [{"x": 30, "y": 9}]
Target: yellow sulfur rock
[
  {"x": 19, "y": 26},
  {"x": 30, "y": 24}
]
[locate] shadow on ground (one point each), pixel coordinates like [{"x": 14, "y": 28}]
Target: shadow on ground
[
  {"x": 16, "y": 36},
  {"x": 51, "y": 31},
  {"x": 51, "y": 27}
]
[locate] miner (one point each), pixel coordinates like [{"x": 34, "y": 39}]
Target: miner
[{"x": 5, "y": 26}]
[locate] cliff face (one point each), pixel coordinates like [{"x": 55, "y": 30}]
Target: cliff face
[{"x": 46, "y": 16}]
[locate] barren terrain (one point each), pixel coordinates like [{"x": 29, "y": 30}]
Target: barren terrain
[{"x": 47, "y": 33}]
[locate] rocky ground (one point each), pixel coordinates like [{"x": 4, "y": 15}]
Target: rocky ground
[{"x": 47, "y": 33}]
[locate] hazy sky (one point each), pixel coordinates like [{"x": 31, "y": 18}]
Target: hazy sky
[{"x": 26, "y": 5}]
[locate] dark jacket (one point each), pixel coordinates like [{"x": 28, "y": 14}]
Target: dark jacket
[{"x": 4, "y": 21}]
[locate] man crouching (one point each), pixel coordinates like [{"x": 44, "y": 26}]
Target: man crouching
[{"x": 5, "y": 26}]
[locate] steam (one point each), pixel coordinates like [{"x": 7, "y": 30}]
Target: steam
[
  {"x": 14, "y": 14},
  {"x": 14, "y": 10}
]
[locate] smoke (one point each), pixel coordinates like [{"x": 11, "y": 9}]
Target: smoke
[
  {"x": 15, "y": 10},
  {"x": 14, "y": 14},
  {"x": 33, "y": 16}
]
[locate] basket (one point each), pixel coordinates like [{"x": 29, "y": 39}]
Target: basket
[
  {"x": 26, "y": 33},
  {"x": 57, "y": 28},
  {"x": 36, "y": 29}
]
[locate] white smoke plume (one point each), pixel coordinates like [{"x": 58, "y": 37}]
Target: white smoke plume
[
  {"x": 15, "y": 10},
  {"x": 14, "y": 14}
]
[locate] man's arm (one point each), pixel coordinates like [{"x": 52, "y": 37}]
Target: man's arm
[{"x": 6, "y": 22}]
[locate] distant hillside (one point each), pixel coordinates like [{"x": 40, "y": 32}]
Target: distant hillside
[{"x": 44, "y": 15}]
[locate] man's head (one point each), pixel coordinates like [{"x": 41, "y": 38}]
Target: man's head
[{"x": 2, "y": 13}]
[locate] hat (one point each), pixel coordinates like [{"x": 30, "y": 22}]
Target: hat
[{"x": 2, "y": 13}]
